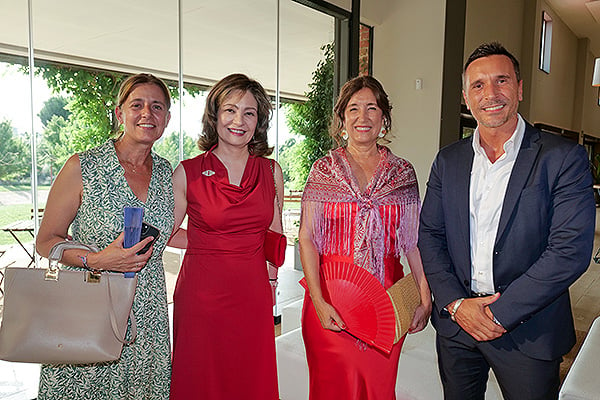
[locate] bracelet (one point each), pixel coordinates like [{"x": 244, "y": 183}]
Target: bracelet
[
  {"x": 85, "y": 264},
  {"x": 457, "y": 304},
  {"x": 497, "y": 322}
]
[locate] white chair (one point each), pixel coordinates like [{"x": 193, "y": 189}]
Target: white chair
[{"x": 581, "y": 382}]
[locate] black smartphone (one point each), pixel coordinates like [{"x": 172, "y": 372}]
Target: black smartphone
[{"x": 148, "y": 230}]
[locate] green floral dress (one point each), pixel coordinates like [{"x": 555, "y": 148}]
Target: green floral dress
[{"x": 144, "y": 369}]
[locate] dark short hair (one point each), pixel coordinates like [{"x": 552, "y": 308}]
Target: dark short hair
[
  {"x": 258, "y": 146},
  {"x": 490, "y": 49},
  {"x": 348, "y": 90},
  {"x": 130, "y": 83}
]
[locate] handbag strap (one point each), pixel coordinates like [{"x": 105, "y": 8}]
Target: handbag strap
[
  {"x": 56, "y": 255},
  {"x": 113, "y": 320},
  {"x": 276, "y": 196},
  {"x": 57, "y": 250}
]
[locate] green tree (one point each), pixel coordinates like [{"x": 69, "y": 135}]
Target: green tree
[
  {"x": 55, "y": 146},
  {"x": 291, "y": 162},
  {"x": 54, "y": 106},
  {"x": 311, "y": 120},
  {"x": 285, "y": 158},
  {"x": 88, "y": 118},
  {"x": 168, "y": 146},
  {"x": 15, "y": 156},
  {"x": 92, "y": 95}
]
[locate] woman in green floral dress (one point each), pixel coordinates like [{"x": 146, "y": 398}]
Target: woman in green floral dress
[{"x": 89, "y": 195}]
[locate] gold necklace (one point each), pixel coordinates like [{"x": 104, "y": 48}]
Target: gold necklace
[
  {"x": 132, "y": 168},
  {"x": 128, "y": 164}
]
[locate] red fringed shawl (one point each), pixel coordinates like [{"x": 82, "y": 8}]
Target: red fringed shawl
[{"x": 392, "y": 191}]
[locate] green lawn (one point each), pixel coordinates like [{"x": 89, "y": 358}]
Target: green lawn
[{"x": 12, "y": 213}]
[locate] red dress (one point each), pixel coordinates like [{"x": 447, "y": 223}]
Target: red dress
[
  {"x": 224, "y": 341},
  {"x": 372, "y": 229},
  {"x": 341, "y": 367}
]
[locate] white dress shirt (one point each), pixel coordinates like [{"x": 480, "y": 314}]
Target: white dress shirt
[{"x": 486, "y": 195}]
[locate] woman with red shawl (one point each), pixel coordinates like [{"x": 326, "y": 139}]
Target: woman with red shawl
[{"x": 360, "y": 206}]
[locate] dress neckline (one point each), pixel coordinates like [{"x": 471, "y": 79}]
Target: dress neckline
[
  {"x": 227, "y": 180},
  {"x": 120, "y": 167}
]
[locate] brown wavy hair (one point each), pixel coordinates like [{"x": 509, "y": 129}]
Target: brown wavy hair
[
  {"x": 348, "y": 90},
  {"x": 258, "y": 146}
]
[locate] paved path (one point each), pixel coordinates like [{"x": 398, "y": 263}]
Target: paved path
[{"x": 21, "y": 197}]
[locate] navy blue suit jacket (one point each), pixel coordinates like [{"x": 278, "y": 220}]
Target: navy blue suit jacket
[{"x": 543, "y": 244}]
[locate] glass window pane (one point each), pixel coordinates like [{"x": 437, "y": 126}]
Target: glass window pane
[
  {"x": 15, "y": 133},
  {"x": 546, "y": 42},
  {"x": 85, "y": 61},
  {"x": 213, "y": 49},
  {"x": 306, "y": 74}
]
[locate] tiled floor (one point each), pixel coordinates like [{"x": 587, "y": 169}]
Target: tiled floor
[
  {"x": 585, "y": 292},
  {"x": 19, "y": 381}
]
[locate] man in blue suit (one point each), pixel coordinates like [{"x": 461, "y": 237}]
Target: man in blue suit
[{"x": 507, "y": 225}]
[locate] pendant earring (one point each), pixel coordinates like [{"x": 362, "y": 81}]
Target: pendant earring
[
  {"x": 381, "y": 132},
  {"x": 344, "y": 135}
]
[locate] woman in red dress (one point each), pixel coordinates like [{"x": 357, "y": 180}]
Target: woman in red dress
[
  {"x": 224, "y": 342},
  {"x": 360, "y": 206}
]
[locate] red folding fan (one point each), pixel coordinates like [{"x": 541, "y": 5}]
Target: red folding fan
[{"x": 361, "y": 301}]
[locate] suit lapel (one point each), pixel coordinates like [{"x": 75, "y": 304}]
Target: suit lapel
[
  {"x": 519, "y": 176},
  {"x": 462, "y": 184}
]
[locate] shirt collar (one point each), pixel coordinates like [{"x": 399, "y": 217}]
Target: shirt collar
[{"x": 511, "y": 146}]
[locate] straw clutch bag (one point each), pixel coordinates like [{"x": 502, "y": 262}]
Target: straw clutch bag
[{"x": 405, "y": 299}]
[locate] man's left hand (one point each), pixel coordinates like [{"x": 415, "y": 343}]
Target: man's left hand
[{"x": 475, "y": 317}]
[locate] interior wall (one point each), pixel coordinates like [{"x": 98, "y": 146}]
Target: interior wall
[
  {"x": 398, "y": 61},
  {"x": 554, "y": 93},
  {"x": 578, "y": 105},
  {"x": 564, "y": 97},
  {"x": 492, "y": 20}
]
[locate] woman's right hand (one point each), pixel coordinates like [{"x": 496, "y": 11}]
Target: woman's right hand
[
  {"x": 328, "y": 316},
  {"x": 117, "y": 258}
]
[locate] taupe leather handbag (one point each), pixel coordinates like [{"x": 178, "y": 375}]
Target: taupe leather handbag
[{"x": 54, "y": 316}]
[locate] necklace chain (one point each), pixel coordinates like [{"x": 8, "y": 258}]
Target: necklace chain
[{"x": 129, "y": 165}]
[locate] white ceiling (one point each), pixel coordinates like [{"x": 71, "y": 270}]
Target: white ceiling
[
  {"x": 582, "y": 17},
  {"x": 218, "y": 37}
]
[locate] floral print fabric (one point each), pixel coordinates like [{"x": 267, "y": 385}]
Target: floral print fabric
[{"x": 144, "y": 369}]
